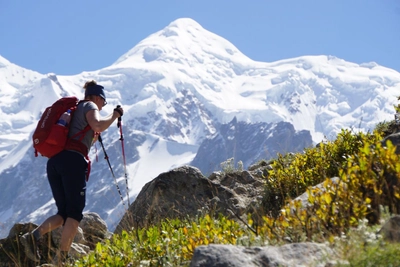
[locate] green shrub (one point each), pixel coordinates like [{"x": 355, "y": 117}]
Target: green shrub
[
  {"x": 171, "y": 243},
  {"x": 292, "y": 174},
  {"x": 362, "y": 187}
]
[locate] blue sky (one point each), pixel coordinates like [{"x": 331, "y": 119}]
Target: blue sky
[{"x": 68, "y": 37}]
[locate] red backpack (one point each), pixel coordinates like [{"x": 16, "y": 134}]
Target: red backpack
[{"x": 49, "y": 138}]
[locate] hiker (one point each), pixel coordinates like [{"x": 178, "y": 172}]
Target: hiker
[{"x": 68, "y": 172}]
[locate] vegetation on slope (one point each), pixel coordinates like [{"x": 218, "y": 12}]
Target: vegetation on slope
[{"x": 344, "y": 212}]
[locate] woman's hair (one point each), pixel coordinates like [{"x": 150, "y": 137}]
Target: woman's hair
[
  {"x": 93, "y": 89},
  {"x": 89, "y": 83}
]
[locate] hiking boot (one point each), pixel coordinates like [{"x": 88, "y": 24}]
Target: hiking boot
[{"x": 30, "y": 246}]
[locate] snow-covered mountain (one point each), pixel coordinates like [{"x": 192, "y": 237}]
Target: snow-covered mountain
[{"x": 177, "y": 87}]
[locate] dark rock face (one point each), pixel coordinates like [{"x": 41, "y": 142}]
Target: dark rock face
[
  {"x": 249, "y": 143},
  {"x": 394, "y": 139}
]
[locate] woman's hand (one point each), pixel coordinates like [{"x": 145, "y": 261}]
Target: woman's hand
[{"x": 119, "y": 110}]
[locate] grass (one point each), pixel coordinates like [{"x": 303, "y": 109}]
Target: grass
[{"x": 363, "y": 247}]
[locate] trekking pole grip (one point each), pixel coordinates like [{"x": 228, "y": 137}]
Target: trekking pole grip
[{"x": 120, "y": 113}]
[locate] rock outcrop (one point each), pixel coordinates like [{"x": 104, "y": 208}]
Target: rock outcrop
[
  {"x": 391, "y": 229},
  {"x": 184, "y": 192},
  {"x": 92, "y": 230}
]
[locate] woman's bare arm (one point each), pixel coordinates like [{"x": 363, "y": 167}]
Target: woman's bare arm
[{"x": 100, "y": 124}]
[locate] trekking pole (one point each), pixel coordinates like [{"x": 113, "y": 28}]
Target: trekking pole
[
  {"x": 112, "y": 172},
  {"x": 119, "y": 125}
]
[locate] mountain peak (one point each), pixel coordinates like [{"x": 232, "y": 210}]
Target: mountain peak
[
  {"x": 184, "y": 24},
  {"x": 183, "y": 38}
]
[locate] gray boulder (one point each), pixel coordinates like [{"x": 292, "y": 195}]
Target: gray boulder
[
  {"x": 185, "y": 192},
  {"x": 390, "y": 231},
  {"x": 297, "y": 254}
]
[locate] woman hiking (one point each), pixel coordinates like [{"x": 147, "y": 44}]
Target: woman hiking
[{"x": 68, "y": 172}]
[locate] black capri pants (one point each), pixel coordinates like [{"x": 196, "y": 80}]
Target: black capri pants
[{"x": 66, "y": 173}]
